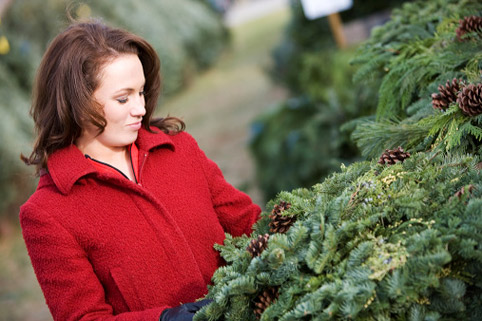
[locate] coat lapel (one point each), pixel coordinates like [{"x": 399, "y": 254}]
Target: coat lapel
[{"x": 67, "y": 165}]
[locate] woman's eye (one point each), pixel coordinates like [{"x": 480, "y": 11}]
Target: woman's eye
[
  {"x": 142, "y": 93},
  {"x": 122, "y": 100}
]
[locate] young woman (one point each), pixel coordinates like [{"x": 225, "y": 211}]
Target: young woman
[{"x": 128, "y": 208}]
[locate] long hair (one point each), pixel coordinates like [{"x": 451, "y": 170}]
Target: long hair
[{"x": 67, "y": 77}]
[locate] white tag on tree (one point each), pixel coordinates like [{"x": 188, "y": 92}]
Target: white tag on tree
[{"x": 319, "y": 8}]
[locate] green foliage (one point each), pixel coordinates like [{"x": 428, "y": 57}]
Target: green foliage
[
  {"x": 15, "y": 134},
  {"x": 299, "y": 142},
  {"x": 378, "y": 242},
  {"x": 308, "y": 37},
  {"x": 451, "y": 131},
  {"x": 187, "y": 34},
  {"x": 372, "y": 242},
  {"x": 413, "y": 54}
]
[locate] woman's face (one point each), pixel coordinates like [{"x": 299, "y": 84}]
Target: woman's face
[{"x": 121, "y": 93}]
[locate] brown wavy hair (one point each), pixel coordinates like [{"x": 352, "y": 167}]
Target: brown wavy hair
[{"x": 67, "y": 77}]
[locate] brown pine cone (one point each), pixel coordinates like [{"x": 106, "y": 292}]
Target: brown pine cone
[
  {"x": 470, "y": 99},
  {"x": 280, "y": 223},
  {"x": 264, "y": 300},
  {"x": 462, "y": 191},
  {"x": 392, "y": 156},
  {"x": 257, "y": 246},
  {"x": 447, "y": 94},
  {"x": 467, "y": 25}
]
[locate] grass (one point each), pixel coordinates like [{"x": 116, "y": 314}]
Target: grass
[{"x": 218, "y": 108}]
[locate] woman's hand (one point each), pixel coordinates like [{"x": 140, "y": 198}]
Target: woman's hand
[{"x": 184, "y": 312}]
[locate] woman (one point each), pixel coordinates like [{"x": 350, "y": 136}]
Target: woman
[{"x": 128, "y": 208}]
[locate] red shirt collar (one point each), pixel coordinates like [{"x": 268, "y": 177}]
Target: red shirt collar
[{"x": 107, "y": 168}]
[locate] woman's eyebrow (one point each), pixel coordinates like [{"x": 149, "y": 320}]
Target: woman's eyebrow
[
  {"x": 127, "y": 89},
  {"x": 124, "y": 90}
]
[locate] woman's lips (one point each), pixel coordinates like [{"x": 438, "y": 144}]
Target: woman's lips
[{"x": 135, "y": 126}]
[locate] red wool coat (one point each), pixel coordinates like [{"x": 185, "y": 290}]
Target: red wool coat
[{"x": 105, "y": 248}]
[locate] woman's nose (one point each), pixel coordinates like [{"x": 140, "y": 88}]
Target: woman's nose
[{"x": 139, "y": 109}]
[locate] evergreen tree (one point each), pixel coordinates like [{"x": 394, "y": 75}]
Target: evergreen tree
[{"x": 374, "y": 242}]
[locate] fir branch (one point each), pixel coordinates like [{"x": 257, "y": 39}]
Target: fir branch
[
  {"x": 374, "y": 137},
  {"x": 473, "y": 67},
  {"x": 232, "y": 247},
  {"x": 359, "y": 254},
  {"x": 421, "y": 108},
  {"x": 370, "y": 66}
]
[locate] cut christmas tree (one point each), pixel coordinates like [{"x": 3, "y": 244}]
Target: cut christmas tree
[{"x": 374, "y": 242}]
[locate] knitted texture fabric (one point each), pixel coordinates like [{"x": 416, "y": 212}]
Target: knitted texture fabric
[{"x": 105, "y": 248}]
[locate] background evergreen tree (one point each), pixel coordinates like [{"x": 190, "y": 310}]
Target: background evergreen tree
[
  {"x": 188, "y": 35},
  {"x": 298, "y": 142}
]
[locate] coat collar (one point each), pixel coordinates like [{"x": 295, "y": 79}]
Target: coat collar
[{"x": 67, "y": 165}]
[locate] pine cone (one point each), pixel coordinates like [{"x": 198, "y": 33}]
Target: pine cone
[
  {"x": 462, "y": 191},
  {"x": 468, "y": 24},
  {"x": 257, "y": 246},
  {"x": 470, "y": 100},
  {"x": 264, "y": 300},
  {"x": 392, "y": 156},
  {"x": 280, "y": 223},
  {"x": 447, "y": 94}
]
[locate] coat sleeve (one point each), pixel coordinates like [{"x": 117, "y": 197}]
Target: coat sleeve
[
  {"x": 71, "y": 288},
  {"x": 235, "y": 209}
]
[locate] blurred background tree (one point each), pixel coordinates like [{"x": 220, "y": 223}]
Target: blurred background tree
[
  {"x": 299, "y": 142},
  {"x": 188, "y": 35}
]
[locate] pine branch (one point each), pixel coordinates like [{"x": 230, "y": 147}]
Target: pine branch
[{"x": 374, "y": 137}]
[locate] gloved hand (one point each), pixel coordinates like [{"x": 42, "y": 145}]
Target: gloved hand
[{"x": 184, "y": 312}]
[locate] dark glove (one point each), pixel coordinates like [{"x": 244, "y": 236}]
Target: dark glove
[{"x": 184, "y": 312}]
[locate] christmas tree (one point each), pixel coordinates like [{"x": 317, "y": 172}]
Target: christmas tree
[
  {"x": 395, "y": 238},
  {"x": 374, "y": 242}
]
